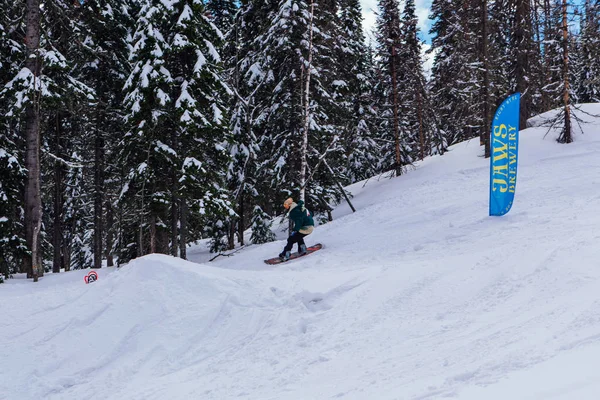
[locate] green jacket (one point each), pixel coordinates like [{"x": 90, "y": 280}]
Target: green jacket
[{"x": 300, "y": 216}]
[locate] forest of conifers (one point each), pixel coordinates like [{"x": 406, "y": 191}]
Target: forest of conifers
[{"x": 131, "y": 127}]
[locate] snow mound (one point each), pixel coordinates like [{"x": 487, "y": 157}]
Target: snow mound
[
  {"x": 154, "y": 317},
  {"x": 418, "y": 295}
]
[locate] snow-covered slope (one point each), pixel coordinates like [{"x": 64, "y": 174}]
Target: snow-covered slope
[{"x": 418, "y": 295}]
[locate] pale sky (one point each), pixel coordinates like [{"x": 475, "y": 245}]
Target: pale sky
[{"x": 369, "y": 7}]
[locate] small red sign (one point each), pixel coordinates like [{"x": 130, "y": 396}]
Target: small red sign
[{"x": 91, "y": 277}]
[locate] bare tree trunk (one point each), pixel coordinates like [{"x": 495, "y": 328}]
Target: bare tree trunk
[
  {"x": 66, "y": 249},
  {"x": 33, "y": 202},
  {"x": 174, "y": 200},
  {"x": 420, "y": 115},
  {"x": 231, "y": 234},
  {"x": 98, "y": 196},
  {"x": 396, "y": 116},
  {"x": 174, "y": 217},
  {"x": 566, "y": 135},
  {"x": 241, "y": 223},
  {"x": 339, "y": 185},
  {"x": 523, "y": 41},
  {"x": 109, "y": 234},
  {"x": 162, "y": 234},
  {"x": 38, "y": 268},
  {"x": 183, "y": 210},
  {"x": 486, "y": 131},
  {"x": 304, "y": 148},
  {"x": 140, "y": 249},
  {"x": 57, "y": 231},
  {"x": 66, "y": 253},
  {"x": 153, "y": 238},
  {"x": 537, "y": 29},
  {"x": 546, "y": 100}
]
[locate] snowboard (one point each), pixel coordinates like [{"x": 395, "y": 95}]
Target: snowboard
[{"x": 293, "y": 256}]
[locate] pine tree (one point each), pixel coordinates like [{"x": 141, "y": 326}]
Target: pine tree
[
  {"x": 31, "y": 80},
  {"x": 420, "y": 125},
  {"x": 456, "y": 78},
  {"x": 486, "y": 95},
  {"x": 354, "y": 94},
  {"x": 77, "y": 216},
  {"x": 523, "y": 44},
  {"x": 286, "y": 61},
  {"x": 248, "y": 79},
  {"x": 553, "y": 55},
  {"x": 222, "y": 12},
  {"x": 43, "y": 93},
  {"x": 323, "y": 157},
  {"x": 105, "y": 68},
  {"x": 175, "y": 148},
  {"x": 12, "y": 241},
  {"x": 389, "y": 49},
  {"x": 536, "y": 59},
  {"x": 588, "y": 73},
  {"x": 565, "y": 82},
  {"x": 261, "y": 227}
]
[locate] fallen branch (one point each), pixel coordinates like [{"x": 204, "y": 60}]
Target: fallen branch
[{"x": 228, "y": 254}]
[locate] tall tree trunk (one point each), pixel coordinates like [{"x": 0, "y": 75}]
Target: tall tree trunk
[
  {"x": 57, "y": 229},
  {"x": 304, "y": 148},
  {"x": 66, "y": 253},
  {"x": 566, "y": 135},
  {"x": 153, "y": 233},
  {"x": 109, "y": 234},
  {"x": 241, "y": 223},
  {"x": 183, "y": 211},
  {"x": 231, "y": 234},
  {"x": 174, "y": 240},
  {"x": 485, "y": 89},
  {"x": 537, "y": 28},
  {"x": 398, "y": 166},
  {"x": 547, "y": 102},
  {"x": 162, "y": 234},
  {"x": 420, "y": 116},
  {"x": 174, "y": 245},
  {"x": 523, "y": 38},
  {"x": 140, "y": 249},
  {"x": 33, "y": 202},
  {"x": 98, "y": 196}
]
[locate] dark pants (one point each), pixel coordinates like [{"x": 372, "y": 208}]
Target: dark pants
[{"x": 295, "y": 237}]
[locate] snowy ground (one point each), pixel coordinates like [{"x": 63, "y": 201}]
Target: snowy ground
[{"x": 418, "y": 295}]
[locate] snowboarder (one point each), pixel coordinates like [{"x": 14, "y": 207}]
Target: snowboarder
[{"x": 303, "y": 226}]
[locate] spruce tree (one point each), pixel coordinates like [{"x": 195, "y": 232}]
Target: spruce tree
[
  {"x": 389, "y": 49},
  {"x": 354, "y": 90},
  {"x": 176, "y": 145},
  {"x": 566, "y": 135},
  {"x": 222, "y": 12},
  {"x": 588, "y": 73},
  {"x": 12, "y": 241},
  {"x": 66, "y": 120},
  {"x": 248, "y": 76},
  {"x": 553, "y": 55},
  {"x": 261, "y": 227},
  {"x": 421, "y": 129},
  {"x": 293, "y": 52},
  {"x": 523, "y": 45},
  {"x": 105, "y": 69},
  {"x": 456, "y": 78}
]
